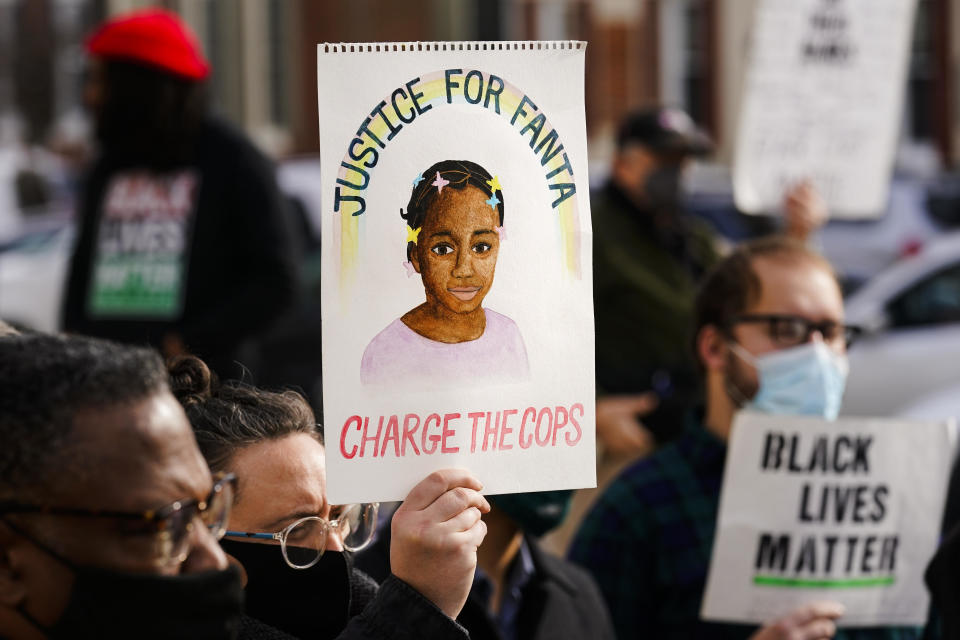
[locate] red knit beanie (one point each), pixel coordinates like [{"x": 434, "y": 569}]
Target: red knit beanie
[{"x": 153, "y": 37}]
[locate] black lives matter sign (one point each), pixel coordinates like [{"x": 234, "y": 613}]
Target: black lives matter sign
[
  {"x": 811, "y": 510},
  {"x": 835, "y": 490}
]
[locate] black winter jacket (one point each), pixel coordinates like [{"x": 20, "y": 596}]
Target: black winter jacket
[{"x": 398, "y": 612}]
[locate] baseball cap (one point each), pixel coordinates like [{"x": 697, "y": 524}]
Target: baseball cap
[
  {"x": 153, "y": 37},
  {"x": 664, "y": 129}
]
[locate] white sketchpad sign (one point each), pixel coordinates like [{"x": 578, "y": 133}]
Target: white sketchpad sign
[
  {"x": 847, "y": 511},
  {"x": 428, "y": 361},
  {"x": 822, "y": 101}
]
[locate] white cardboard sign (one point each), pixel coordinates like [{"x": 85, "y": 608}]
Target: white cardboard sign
[
  {"x": 847, "y": 511},
  {"x": 444, "y": 165},
  {"x": 822, "y": 101}
]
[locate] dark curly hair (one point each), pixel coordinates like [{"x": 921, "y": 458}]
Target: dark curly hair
[
  {"x": 228, "y": 417},
  {"x": 460, "y": 173}
]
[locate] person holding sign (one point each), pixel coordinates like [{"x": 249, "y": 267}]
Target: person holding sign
[
  {"x": 454, "y": 232},
  {"x": 769, "y": 335},
  {"x": 292, "y": 543},
  {"x": 648, "y": 256}
]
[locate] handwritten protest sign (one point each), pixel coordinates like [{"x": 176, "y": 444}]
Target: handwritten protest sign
[
  {"x": 444, "y": 164},
  {"x": 812, "y": 510},
  {"x": 822, "y": 101}
]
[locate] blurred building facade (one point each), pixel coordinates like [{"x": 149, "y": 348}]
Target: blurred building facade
[{"x": 690, "y": 53}]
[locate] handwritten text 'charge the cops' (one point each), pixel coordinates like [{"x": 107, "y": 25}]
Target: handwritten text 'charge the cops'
[
  {"x": 405, "y": 104},
  {"x": 412, "y": 434}
]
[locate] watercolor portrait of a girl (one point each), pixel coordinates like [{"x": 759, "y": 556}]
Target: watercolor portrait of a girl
[{"x": 454, "y": 232}]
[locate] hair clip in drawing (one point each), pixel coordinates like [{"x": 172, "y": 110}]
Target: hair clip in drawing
[{"x": 440, "y": 183}]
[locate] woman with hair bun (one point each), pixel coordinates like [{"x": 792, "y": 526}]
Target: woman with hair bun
[
  {"x": 454, "y": 232},
  {"x": 293, "y": 544}
]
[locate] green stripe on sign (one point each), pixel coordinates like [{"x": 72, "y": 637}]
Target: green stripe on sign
[{"x": 798, "y": 583}]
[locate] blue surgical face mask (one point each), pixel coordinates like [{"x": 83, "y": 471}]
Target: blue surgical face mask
[{"x": 807, "y": 380}]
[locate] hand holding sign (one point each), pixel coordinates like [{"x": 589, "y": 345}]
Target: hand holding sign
[
  {"x": 619, "y": 427},
  {"x": 435, "y": 535},
  {"x": 811, "y": 622},
  {"x": 822, "y": 100}
]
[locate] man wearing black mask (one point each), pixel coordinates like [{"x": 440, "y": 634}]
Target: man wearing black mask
[
  {"x": 183, "y": 241},
  {"x": 109, "y": 516},
  {"x": 649, "y": 255}
]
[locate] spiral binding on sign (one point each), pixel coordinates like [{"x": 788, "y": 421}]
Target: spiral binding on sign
[{"x": 390, "y": 47}]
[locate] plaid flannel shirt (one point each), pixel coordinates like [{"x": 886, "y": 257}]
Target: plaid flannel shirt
[{"x": 648, "y": 540}]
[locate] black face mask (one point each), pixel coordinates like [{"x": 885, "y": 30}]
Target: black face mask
[
  {"x": 111, "y": 604},
  {"x": 662, "y": 189},
  {"x": 307, "y": 603}
]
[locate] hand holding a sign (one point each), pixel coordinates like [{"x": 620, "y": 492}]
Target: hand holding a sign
[
  {"x": 435, "y": 535},
  {"x": 619, "y": 427},
  {"x": 805, "y": 210},
  {"x": 811, "y": 622}
]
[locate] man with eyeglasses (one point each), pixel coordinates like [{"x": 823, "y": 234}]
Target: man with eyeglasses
[
  {"x": 769, "y": 334},
  {"x": 109, "y": 516},
  {"x": 649, "y": 253}
]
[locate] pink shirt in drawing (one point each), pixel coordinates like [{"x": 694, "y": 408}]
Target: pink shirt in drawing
[{"x": 399, "y": 356}]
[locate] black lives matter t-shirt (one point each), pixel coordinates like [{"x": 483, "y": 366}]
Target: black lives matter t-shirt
[
  {"x": 141, "y": 252},
  {"x": 201, "y": 251}
]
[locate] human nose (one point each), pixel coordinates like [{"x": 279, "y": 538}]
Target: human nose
[
  {"x": 334, "y": 541},
  {"x": 205, "y": 553},
  {"x": 464, "y": 266}
]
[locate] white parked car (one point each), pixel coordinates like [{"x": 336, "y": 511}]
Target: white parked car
[
  {"x": 33, "y": 268},
  {"x": 909, "y": 358}
]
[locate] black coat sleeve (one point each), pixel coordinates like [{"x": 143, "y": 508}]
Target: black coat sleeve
[
  {"x": 400, "y": 612},
  {"x": 72, "y": 312},
  {"x": 251, "y": 234}
]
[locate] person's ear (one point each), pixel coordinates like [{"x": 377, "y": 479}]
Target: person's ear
[
  {"x": 13, "y": 590},
  {"x": 712, "y": 348}
]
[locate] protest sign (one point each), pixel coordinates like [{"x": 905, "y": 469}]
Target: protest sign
[
  {"x": 822, "y": 101},
  {"x": 442, "y": 164},
  {"x": 847, "y": 511}
]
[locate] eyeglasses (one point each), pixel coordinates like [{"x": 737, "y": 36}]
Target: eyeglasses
[
  {"x": 172, "y": 523},
  {"x": 790, "y": 330},
  {"x": 304, "y": 541}
]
